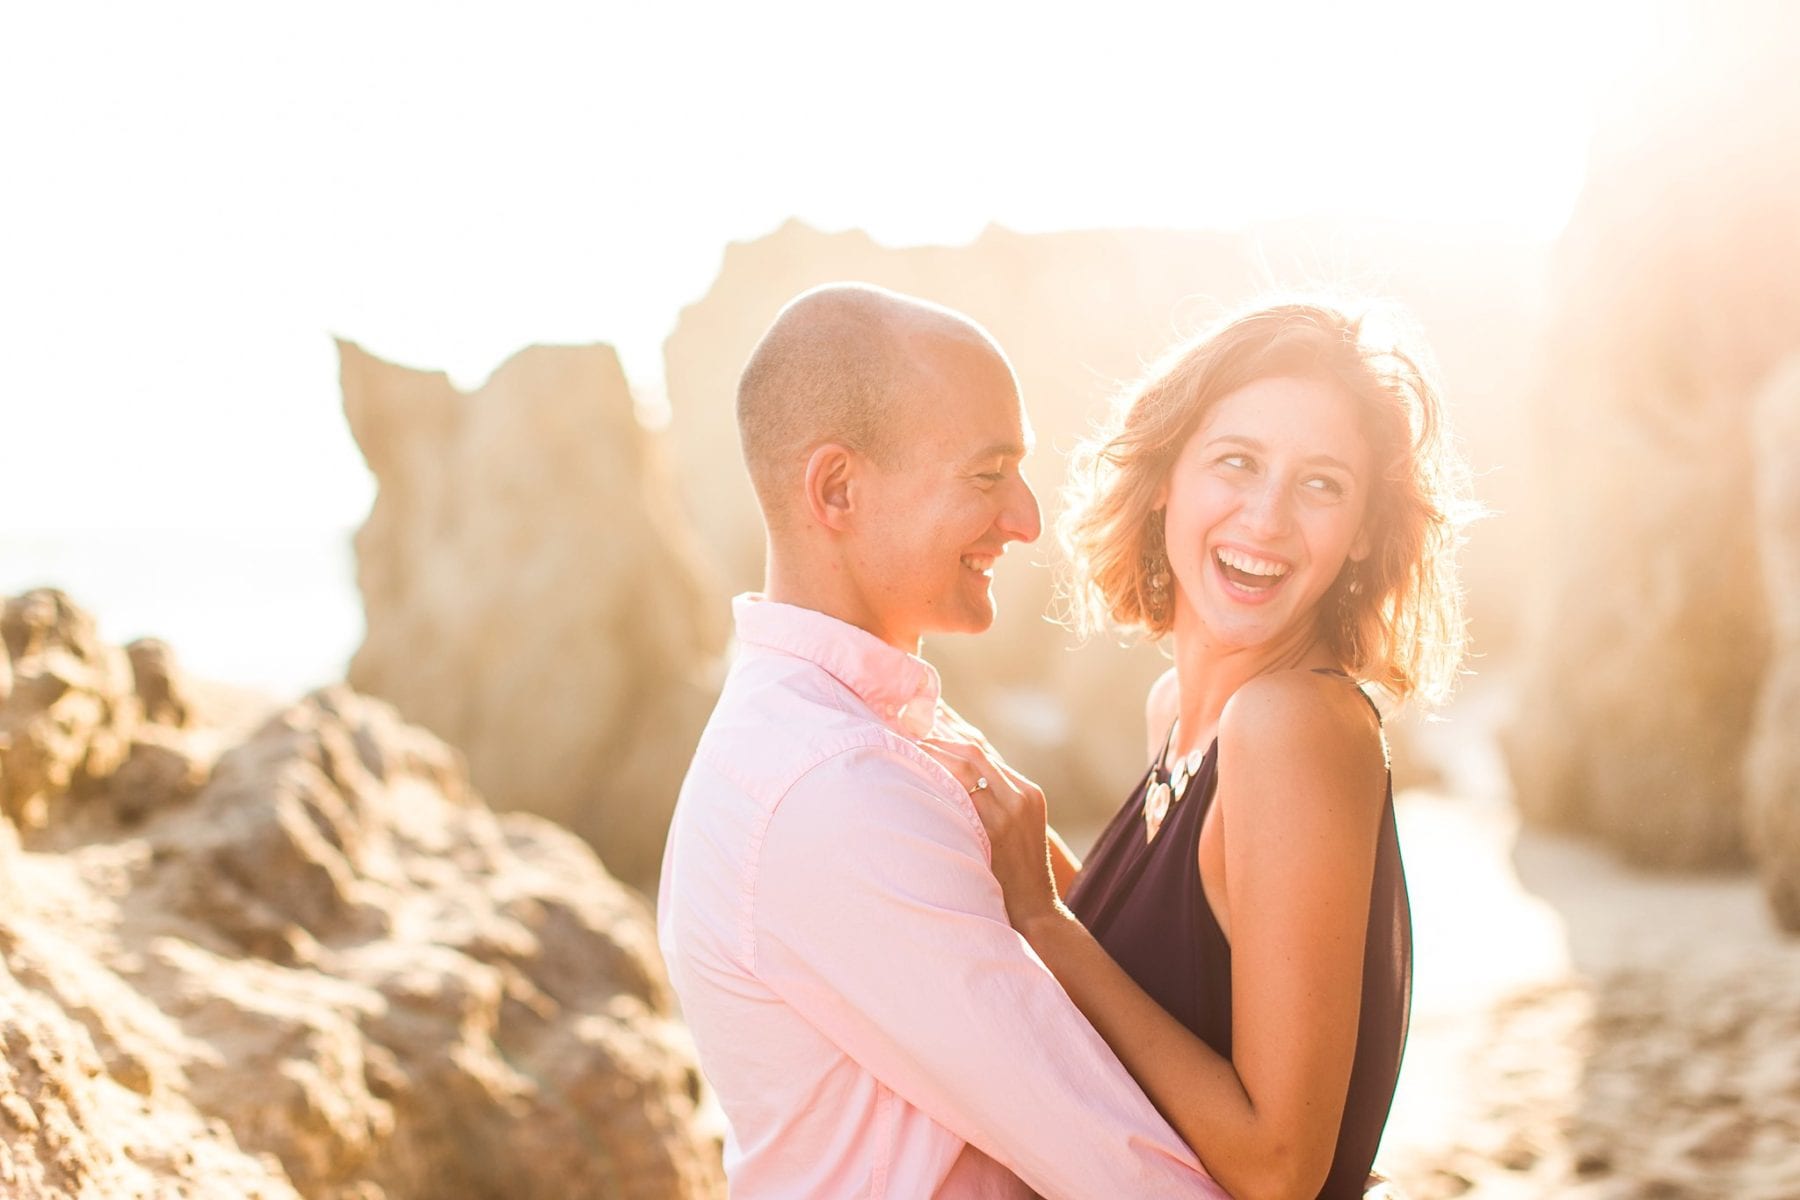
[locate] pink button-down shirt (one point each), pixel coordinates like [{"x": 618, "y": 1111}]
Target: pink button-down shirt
[{"x": 871, "y": 1023}]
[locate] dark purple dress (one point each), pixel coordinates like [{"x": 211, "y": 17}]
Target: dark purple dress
[{"x": 1144, "y": 903}]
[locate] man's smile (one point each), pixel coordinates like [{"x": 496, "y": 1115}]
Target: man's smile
[{"x": 981, "y": 564}]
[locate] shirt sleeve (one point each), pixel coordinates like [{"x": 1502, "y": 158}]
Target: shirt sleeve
[{"x": 877, "y": 919}]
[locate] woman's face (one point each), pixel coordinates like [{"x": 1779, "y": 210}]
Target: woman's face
[{"x": 1265, "y": 503}]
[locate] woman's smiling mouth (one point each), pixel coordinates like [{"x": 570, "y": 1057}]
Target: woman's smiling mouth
[{"x": 1249, "y": 576}]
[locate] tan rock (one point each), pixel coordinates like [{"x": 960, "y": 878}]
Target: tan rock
[
  {"x": 1079, "y": 314},
  {"x": 333, "y": 972},
  {"x": 532, "y": 593},
  {"x": 160, "y": 770},
  {"x": 67, "y": 720},
  {"x": 73, "y": 1125},
  {"x": 1772, "y": 768},
  {"x": 1679, "y": 291},
  {"x": 159, "y": 685}
]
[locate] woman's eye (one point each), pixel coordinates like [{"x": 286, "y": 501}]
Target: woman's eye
[
  {"x": 1325, "y": 484},
  {"x": 1238, "y": 462}
]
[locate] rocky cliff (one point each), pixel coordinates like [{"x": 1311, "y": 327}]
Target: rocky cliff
[
  {"x": 1772, "y": 768},
  {"x": 310, "y": 962},
  {"x": 1677, "y": 296},
  {"x": 532, "y": 592}
]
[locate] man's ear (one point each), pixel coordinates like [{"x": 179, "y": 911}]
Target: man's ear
[{"x": 830, "y": 468}]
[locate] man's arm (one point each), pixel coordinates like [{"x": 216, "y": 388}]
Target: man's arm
[{"x": 876, "y": 919}]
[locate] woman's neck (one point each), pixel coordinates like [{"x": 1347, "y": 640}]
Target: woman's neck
[{"x": 1207, "y": 675}]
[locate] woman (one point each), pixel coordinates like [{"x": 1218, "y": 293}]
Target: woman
[{"x": 1278, "y": 502}]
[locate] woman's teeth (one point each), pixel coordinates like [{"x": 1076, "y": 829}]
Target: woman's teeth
[
  {"x": 1248, "y": 572},
  {"x": 1249, "y": 564}
]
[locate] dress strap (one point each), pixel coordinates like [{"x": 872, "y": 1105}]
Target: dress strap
[{"x": 1359, "y": 688}]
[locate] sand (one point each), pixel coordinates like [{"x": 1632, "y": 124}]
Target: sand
[{"x": 1582, "y": 1029}]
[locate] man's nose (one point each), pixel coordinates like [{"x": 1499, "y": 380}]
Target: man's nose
[{"x": 1020, "y": 519}]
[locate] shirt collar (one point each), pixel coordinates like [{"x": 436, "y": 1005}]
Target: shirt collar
[{"x": 901, "y": 688}]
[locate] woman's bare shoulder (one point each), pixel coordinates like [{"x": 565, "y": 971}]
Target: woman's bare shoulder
[{"x": 1303, "y": 722}]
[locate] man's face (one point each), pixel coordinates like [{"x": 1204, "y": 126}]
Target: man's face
[{"x": 935, "y": 520}]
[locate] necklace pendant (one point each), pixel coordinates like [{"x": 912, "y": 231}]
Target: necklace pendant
[
  {"x": 1186, "y": 767},
  {"x": 1189, "y": 767},
  {"x": 1156, "y": 807}
]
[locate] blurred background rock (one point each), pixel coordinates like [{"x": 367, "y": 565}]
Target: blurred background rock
[
  {"x": 1676, "y": 304},
  {"x": 531, "y": 591}
]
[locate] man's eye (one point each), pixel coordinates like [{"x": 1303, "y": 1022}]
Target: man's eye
[{"x": 991, "y": 476}]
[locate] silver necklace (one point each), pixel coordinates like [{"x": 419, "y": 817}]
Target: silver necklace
[{"x": 1159, "y": 797}]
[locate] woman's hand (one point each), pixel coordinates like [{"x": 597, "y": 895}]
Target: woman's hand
[{"x": 1012, "y": 810}]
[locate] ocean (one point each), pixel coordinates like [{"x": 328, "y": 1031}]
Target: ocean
[{"x": 273, "y": 610}]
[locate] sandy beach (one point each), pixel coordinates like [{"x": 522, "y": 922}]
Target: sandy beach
[{"x": 1580, "y": 1028}]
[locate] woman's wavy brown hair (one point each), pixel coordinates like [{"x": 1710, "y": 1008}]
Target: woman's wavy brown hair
[{"x": 1395, "y": 619}]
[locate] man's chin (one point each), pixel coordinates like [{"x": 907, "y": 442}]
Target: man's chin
[{"x": 975, "y": 618}]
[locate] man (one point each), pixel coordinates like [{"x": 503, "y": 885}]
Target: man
[{"x": 872, "y": 1024}]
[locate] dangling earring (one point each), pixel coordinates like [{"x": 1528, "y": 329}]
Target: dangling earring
[
  {"x": 1349, "y": 591},
  {"x": 1156, "y": 569}
]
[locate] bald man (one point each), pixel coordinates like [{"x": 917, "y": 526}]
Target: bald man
[{"x": 872, "y": 1024}]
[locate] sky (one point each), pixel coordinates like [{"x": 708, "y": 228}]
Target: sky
[{"x": 195, "y": 198}]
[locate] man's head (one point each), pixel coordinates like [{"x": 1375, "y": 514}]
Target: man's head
[{"x": 884, "y": 437}]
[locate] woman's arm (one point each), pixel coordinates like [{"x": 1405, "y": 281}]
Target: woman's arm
[
  {"x": 1300, "y": 795},
  {"x": 1064, "y": 866}
]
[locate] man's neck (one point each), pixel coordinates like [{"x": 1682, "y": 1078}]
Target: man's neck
[{"x": 832, "y": 592}]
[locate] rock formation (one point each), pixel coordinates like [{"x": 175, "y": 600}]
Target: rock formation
[
  {"x": 1080, "y": 314},
  {"x": 1679, "y": 291},
  {"x": 532, "y": 593},
  {"x": 69, "y": 710},
  {"x": 315, "y": 965},
  {"x": 1773, "y": 767}
]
